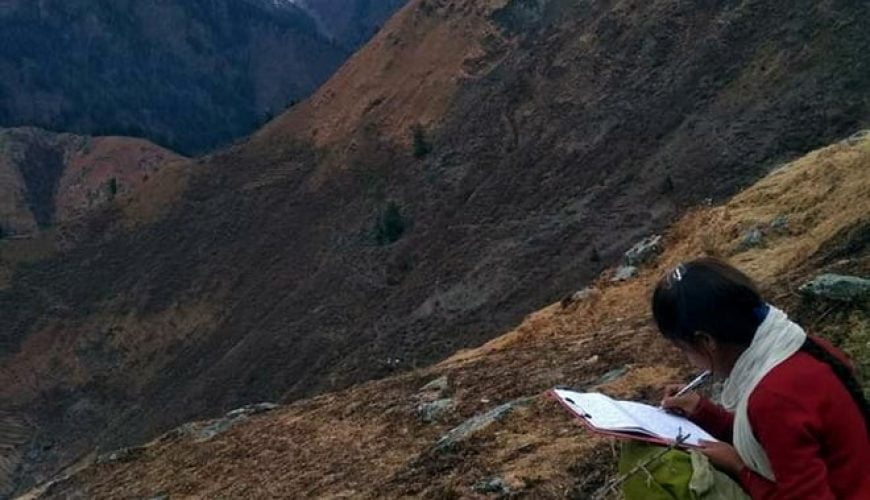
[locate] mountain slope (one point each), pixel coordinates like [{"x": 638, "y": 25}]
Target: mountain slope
[
  {"x": 49, "y": 178},
  {"x": 338, "y": 246},
  {"x": 189, "y": 74},
  {"x": 369, "y": 441},
  {"x": 350, "y": 22}
]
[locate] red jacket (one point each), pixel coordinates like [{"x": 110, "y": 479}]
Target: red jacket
[{"x": 810, "y": 428}]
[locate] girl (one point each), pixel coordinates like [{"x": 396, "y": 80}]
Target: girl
[{"x": 791, "y": 407}]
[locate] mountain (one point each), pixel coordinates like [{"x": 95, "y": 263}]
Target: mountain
[
  {"x": 48, "y": 178},
  {"x": 474, "y": 162},
  {"x": 189, "y": 74},
  {"x": 479, "y": 424},
  {"x": 349, "y": 23}
]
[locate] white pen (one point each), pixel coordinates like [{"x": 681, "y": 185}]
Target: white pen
[
  {"x": 694, "y": 383},
  {"x": 691, "y": 385}
]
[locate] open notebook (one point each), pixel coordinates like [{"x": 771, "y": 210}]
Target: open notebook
[{"x": 629, "y": 419}]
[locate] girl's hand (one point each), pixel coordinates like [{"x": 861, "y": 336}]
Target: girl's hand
[
  {"x": 685, "y": 404},
  {"x": 723, "y": 456}
]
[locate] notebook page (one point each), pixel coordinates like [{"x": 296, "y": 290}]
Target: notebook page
[
  {"x": 664, "y": 424},
  {"x": 600, "y": 410}
]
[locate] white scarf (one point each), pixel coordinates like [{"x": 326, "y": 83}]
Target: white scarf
[{"x": 776, "y": 339}]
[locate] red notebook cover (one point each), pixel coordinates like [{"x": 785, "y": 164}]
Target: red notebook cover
[{"x": 616, "y": 434}]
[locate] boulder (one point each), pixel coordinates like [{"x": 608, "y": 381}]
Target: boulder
[
  {"x": 122, "y": 455},
  {"x": 206, "y": 431},
  {"x": 838, "y": 287},
  {"x": 253, "y": 409},
  {"x": 779, "y": 225},
  {"x": 752, "y": 238},
  {"x": 434, "y": 411},
  {"x": 624, "y": 273},
  {"x": 439, "y": 385},
  {"x": 644, "y": 251},
  {"x": 478, "y": 423},
  {"x": 492, "y": 485},
  {"x": 588, "y": 293}
]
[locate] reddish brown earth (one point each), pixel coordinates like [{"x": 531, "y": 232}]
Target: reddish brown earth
[
  {"x": 50, "y": 178},
  {"x": 560, "y": 133},
  {"x": 368, "y": 442}
]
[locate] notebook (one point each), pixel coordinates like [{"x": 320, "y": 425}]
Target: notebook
[{"x": 629, "y": 419}]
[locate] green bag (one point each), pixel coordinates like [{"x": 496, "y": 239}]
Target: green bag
[{"x": 676, "y": 475}]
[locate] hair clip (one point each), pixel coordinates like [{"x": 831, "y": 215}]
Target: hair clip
[{"x": 676, "y": 274}]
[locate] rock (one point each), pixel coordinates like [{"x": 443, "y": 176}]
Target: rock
[
  {"x": 610, "y": 376},
  {"x": 492, "y": 485},
  {"x": 434, "y": 411},
  {"x": 160, "y": 496},
  {"x": 838, "y": 287},
  {"x": 753, "y": 238},
  {"x": 779, "y": 225},
  {"x": 439, "y": 385},
  {"x": 857, "y": 138},
  {"x": 206, "y": 431},
  {"x": 201, "y": 433},
  {"x": 587, "y": 293},
  {"x": 251, "y": 410},
  {"x": 121, "y": 455},
  {"x": 644, "y": 251},
  {"x": 478, "y": 423},
  {"x": 624, "y": 273}
]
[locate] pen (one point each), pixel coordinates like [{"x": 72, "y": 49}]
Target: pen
[
  {"x": 694, "y": 383},
  {"x": 691, "y": 385}
]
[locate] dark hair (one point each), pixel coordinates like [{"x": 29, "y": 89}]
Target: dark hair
[{"x": 709, "y": 295}]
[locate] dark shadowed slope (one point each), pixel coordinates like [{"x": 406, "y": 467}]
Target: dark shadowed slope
[{"x": 189, "y": 74}]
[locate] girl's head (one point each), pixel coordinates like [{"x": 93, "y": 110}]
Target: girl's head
[{"x": 710, "y": 310}]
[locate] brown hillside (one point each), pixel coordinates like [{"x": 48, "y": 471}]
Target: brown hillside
[
  {"x": 50, "y": 178},
  {"x": 367, "y": 442},
  {"x": 556, "y": 134}
]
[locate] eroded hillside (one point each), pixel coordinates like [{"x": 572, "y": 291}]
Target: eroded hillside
[
  {"x": 373, "y": 440},
  {"x": 48, "y": 178},
  {"x": 338, "y": 246}
]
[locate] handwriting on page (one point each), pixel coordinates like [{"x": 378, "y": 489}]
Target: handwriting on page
[
  {"x": 600, "y": 410},
  {"x": 605, "y": 413},
  {"x": 664, "y": 424}
]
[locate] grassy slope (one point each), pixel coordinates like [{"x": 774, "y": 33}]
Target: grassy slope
[
  {"x": 254, "y": 278},
  {"x": 366, "y": 442}
]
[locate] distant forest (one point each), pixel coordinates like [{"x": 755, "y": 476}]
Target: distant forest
[{"x": 188, "y": 74}]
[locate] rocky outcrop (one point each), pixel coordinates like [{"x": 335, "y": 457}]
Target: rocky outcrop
[
  {"x": 838, "y": 288},
  {"x": 478, "y": 423}
]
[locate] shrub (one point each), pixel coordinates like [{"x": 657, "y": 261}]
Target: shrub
[
  {"x": 391, "y": 225},
  {"x": 421, "y": 145},
  {"x": 113, "y": 187}
]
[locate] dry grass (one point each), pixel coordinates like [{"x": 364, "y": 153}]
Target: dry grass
[
  {"x": 393, "y": 83},
  {"x": 366, "y": 442}
]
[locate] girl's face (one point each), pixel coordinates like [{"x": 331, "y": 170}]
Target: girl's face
[
  {"x": 696, "y": 355},
  {"x": 708, "y": 354}
]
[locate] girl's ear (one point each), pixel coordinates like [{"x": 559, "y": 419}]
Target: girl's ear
[{"x": 706, "y": 342}]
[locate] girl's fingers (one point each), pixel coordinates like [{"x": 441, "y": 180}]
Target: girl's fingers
[{"x": 672, "y": 389}]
